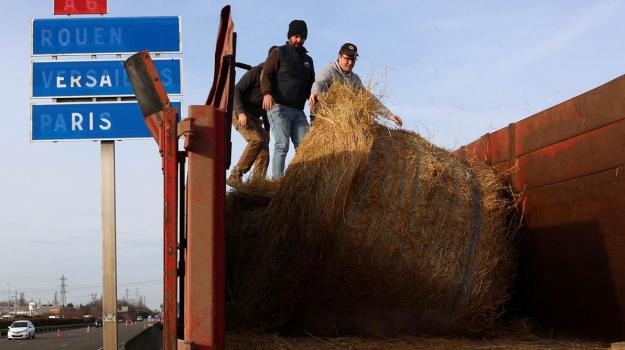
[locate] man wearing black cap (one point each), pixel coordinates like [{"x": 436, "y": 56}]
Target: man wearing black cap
[
  {"x": 287, "y": 78},
  {"x": 341, "y": 70}
]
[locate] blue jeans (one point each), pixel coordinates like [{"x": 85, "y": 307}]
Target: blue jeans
[{"x": 286, "y": 122}]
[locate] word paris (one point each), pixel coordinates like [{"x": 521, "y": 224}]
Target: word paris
[
  {"x": 81, "y": 121},
  {"x": 77, "y": 120}
]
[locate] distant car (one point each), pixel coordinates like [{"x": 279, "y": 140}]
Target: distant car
[
  {"x": 21, "y": 329},
  {"x": 98, "y": 322},
  {"x": 139, "y": 318}
]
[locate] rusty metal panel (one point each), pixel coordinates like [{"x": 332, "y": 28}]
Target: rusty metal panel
[
  {"x": 224, "y": 47},
  {"x": 491, "y": 148},
  {"x": 584, "y": 154},
  {"x": 169, "y": 151},
  {"x": 149, "y": 90},
  {"x": 204, "y": 280},
  {"x": 568, "y": 166},
  {"x": 593, "y": 109},
  {"x": 498, "y": 146},
  {"x": 478, "y": 150},
  {"x": 572, "y": 266},
  {"x": 162, "y": 121}
]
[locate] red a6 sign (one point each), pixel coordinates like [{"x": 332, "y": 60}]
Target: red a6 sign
[{"x": 76, "y": 7}]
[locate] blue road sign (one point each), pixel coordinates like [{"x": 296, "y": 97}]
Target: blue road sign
[
  {"x": 88, "y": 121},
  {"x": 96, "y": 78},
  {"x": 105, "y": 35}
]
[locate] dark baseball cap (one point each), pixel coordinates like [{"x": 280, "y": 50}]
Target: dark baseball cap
[{"x": 349, "y": 49}]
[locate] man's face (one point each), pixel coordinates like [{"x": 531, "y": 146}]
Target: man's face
[
  {"x": 346, "y": 62},
  {"x": 297, "y": 40}
]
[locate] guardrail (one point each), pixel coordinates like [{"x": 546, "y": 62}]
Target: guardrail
[{"x": 46, "y": 329}]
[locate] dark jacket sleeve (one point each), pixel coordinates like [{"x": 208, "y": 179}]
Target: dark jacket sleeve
[
  {"x": 244, "y": 83},
  {"x": 272, "y": 64},
  {"x": 311, "y": 79}
]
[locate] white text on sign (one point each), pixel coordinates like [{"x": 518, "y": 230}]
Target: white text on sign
[
  {"x": 78, "y": 122},
  {"x": 81, "y": 36}
]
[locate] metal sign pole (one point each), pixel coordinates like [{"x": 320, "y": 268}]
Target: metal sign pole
[{"x": 109, "y": 255}]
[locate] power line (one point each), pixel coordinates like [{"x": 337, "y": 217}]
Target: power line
[{"x": 31, "y": 290}]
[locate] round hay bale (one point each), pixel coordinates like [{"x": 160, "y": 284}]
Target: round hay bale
[
  {"x": 377, "y": 231},
  {"x": 245, "y": 214}
]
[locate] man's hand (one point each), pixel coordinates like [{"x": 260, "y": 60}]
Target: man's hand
[
  {"x": 267, "y": 102},
  {"x": 243, "y": 120},
  {"x": 396, "y": 119},
  {"x": 312, "y": 101}
]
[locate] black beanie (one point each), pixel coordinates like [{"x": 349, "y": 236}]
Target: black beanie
[{"x": 297, "y": 26}]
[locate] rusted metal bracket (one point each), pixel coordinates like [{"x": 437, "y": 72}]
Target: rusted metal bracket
[
  {"x": 185, "y": 127},
  {"x": 149, "y": 90},
  {"x": 185, "y": 345},
  {"x": 162, "y": 121}
]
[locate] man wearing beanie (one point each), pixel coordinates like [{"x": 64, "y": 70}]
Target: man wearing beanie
[
  {"x": 341, "y": 70},
  {"x": 287, "y": 78}
]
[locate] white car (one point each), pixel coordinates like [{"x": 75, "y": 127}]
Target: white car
[{"x": 21, "y": 329}]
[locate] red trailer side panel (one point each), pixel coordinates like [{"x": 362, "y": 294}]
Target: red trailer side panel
[
  {"x": 204, "y": 280},
  {"x": 568, "y": 167},
  {"x": 591, "y": 110}
]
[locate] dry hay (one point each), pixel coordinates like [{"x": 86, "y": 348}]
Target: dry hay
[
  {"x": 246, "y": 341},
  {"x": 373, "y": 231},
  {"x": 245, "y": 212}
]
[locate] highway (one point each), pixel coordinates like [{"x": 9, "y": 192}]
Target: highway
[{"x": 74, "y": 339}]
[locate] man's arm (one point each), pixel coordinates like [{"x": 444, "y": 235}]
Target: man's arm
[
  {"x": 386, "y": 113},
  {"x": 381, "y": 109},
  {"x": 239, "y": 89},
  {"x": 247, "y": 81},
  {"x": 270, "y": 68},
  {"x": 311, "y": 79},
  {"x": 322, "y": 83},
  {"x": 323, "y": 80}
]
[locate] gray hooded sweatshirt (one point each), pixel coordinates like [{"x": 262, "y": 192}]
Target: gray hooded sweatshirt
[{"x": 331, "y": 73}]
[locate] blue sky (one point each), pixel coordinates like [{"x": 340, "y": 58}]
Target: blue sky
[{"x": 453, "y": 70}]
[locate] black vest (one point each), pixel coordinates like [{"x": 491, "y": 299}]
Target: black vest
[{"x": 294, "y": 78}]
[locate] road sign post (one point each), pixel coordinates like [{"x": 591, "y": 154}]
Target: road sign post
[{"x": 109, "y": 244}]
